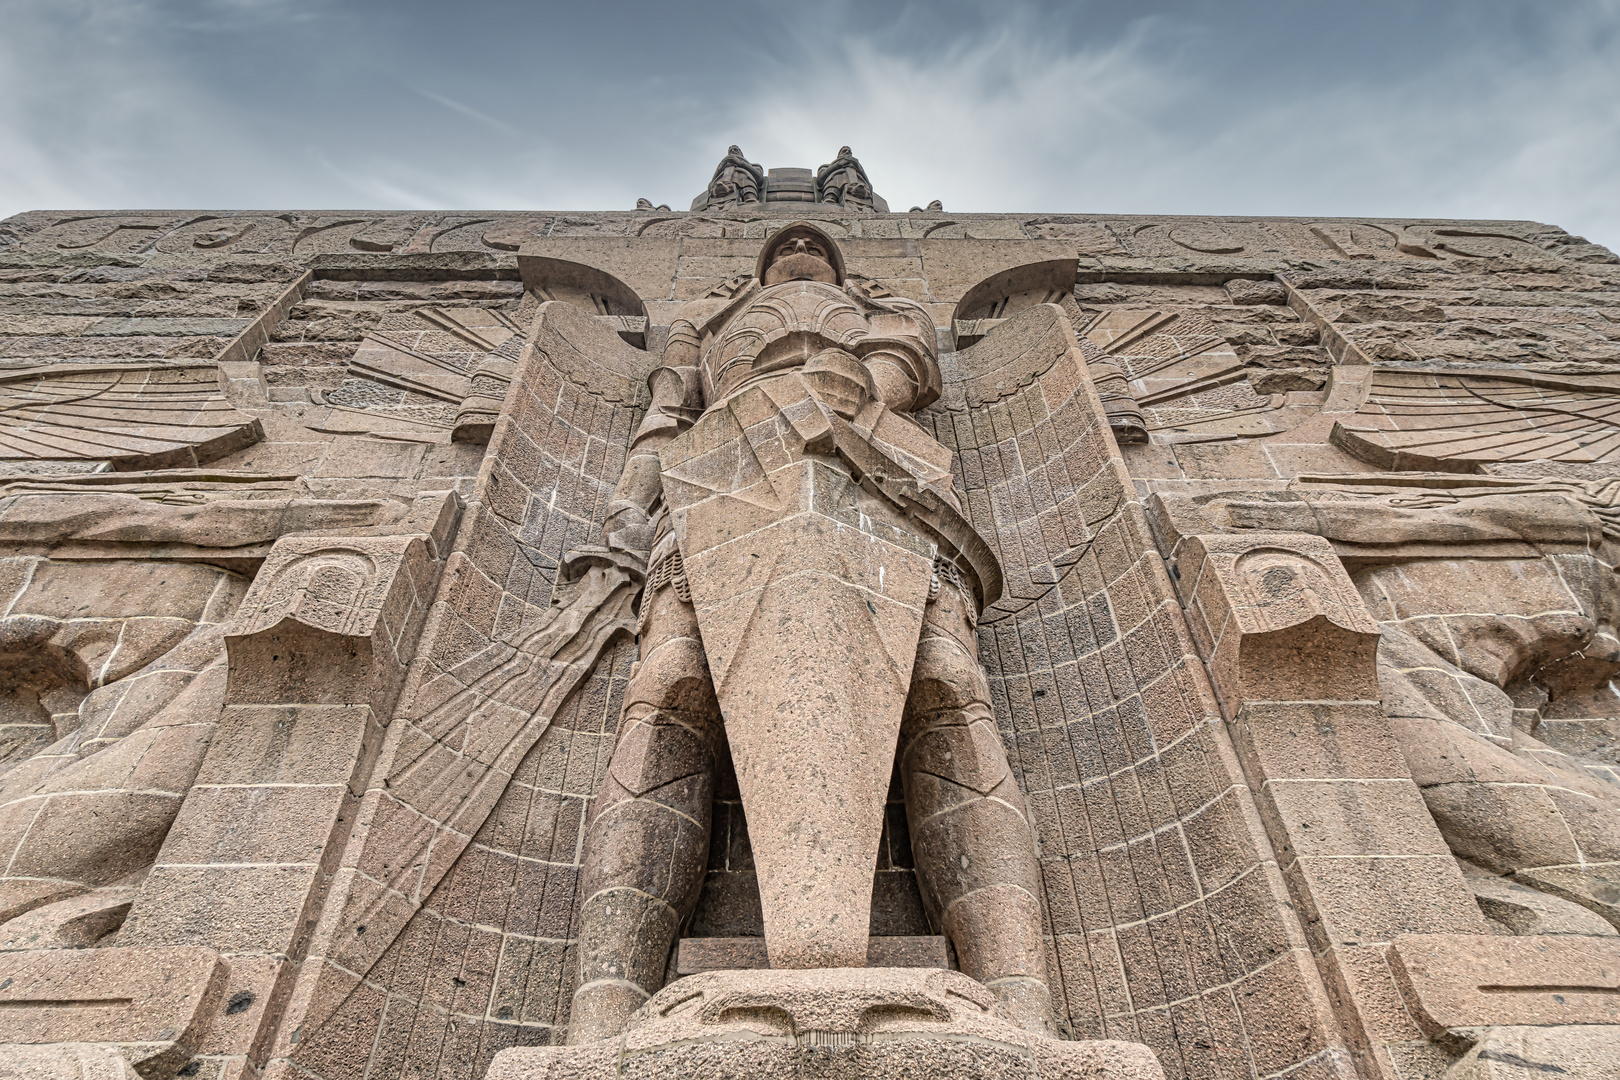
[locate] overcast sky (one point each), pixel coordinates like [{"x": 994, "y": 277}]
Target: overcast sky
[{"x": 1474, "y": 108}]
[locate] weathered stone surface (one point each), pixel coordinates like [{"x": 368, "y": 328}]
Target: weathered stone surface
[
  {"x": 151, "y": 1005},
  {"x": 695, "y": 955},
  {"x": 1171, "y": 614},
  {"x": 1461, "y": 981},
  {"x": 63, "y": 1061},
  {"x": 1523, "y": 1052},
  {"x": 334, "y": 620},
  {"x": 1278, "y": 618},
  {"x": 1517, "y": 909},
  {"x": 131, "y": 417}
]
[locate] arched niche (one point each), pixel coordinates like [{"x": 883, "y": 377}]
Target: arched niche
[
  {"x": 1008, "y": 292},
  {"x": 594, "y": 291}
]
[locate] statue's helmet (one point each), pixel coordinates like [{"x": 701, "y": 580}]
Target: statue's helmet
[{"x": 800, "y": 252}]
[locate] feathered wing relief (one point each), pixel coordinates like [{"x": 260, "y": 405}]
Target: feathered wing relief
[
  {"x": 1455, "y": 421},
  {"x": 1107, "y": 715},
  {"x": 433, "y": 368},
  {"x": 1182, "y": 371},
  {"x": 130, "y": 416},
  {"x": 450, "y": 917}
]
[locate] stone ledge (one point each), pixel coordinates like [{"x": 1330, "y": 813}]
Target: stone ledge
[{"x": 695, "y": 955}]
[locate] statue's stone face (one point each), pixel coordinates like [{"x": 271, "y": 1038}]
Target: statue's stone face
[
  {"x": 800, "y": 246},
  {"x": 801, "y": 258}
]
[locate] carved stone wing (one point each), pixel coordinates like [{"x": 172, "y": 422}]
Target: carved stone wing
[
  {"x": 132, "y": 416},
  {"x": 458, "y": 920},
  {"x": 1032, "y": 482},
  {"x": 1453, "y": 421},
  {"x": 1096, "y": 686}
]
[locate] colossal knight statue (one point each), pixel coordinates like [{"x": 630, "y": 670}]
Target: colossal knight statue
[{"x": 812, "y": 593}]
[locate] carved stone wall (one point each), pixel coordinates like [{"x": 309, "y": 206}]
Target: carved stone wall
[
  {"x": 311, "y": 662},
  {"x": 1148, "y": 845}
]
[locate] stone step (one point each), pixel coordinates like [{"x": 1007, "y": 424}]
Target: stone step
[{"x": 738, "y": 953}]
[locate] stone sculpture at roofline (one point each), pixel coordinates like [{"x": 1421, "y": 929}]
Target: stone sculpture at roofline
[
  {"x": 842, "y": 181},
  {"x": 736, "y": 181}
]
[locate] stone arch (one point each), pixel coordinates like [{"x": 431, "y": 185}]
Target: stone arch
[
  {"x": 1011, "y": 291},
  {"x": 586, "y": 287}
]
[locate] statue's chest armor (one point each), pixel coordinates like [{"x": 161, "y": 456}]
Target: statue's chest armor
[{"x": 782, "y": 327}]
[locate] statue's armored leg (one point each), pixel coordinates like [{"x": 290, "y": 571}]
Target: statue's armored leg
[
  {"x": 970, "y": 836},
  {"x": 648, "y": 842}
]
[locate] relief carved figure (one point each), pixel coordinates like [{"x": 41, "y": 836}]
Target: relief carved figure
[
  {"x": 811, "y": 601},
  {"x": 115, "y": 678},
  {"x": 1497, "y": 612},
  {"x": 115, "y": 672}
]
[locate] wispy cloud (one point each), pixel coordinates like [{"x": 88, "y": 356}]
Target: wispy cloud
[
  {"x": 98, "y": 115},
  {"x": 1466, "y": 108},
  {"x": 467, "y": 111},
  {"x": 1138, "y": 125}
]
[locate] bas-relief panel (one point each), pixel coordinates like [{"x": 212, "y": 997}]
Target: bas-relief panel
[
  {"x": 1444, "y": 427},
  {"x": 306, "y": 233},
  {"x": 1424, "y": 354}
]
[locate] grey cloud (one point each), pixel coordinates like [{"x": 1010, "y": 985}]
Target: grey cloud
[{"x": 1476, "y": 108}]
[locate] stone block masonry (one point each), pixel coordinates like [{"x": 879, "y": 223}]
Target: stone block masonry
[{"x": 443, "y": 645}]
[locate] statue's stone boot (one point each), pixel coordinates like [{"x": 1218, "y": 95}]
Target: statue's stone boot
[
  {"x": 970, "y": 835},
  {"x": 649, "y": 835}
]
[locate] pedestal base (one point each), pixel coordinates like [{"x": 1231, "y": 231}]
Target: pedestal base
[{"x": 868, "y": 1023}]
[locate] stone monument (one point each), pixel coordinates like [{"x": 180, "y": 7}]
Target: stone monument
[{"x": 790, "y": 638}]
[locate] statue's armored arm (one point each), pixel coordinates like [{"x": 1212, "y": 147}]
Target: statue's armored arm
[
  {"x": 676, "y": 402},
  {"x": 899, "y": 353}
]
